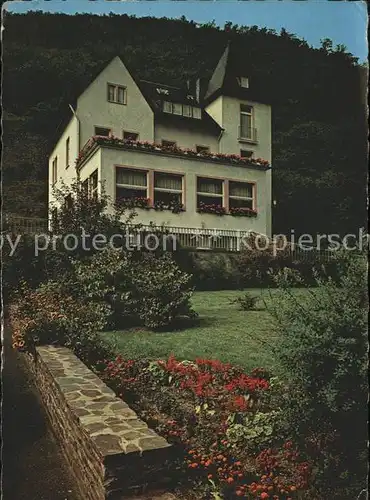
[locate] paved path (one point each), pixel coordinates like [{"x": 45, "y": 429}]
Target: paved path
[{"x": 33, "y": 467}]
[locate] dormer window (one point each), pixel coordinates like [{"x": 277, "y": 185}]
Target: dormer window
[
  {"x": 116, "y": 94},
  {"x": 244, "y": 82},
  {"x": 182, "y": 109}
]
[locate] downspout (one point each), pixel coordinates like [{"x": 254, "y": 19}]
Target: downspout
[{"x": 78, "y": 136}]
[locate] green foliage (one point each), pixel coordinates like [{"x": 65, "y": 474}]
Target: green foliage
[
  {"x": 252, "y": 429},
  {"x": 49, "y": 315},
  {"x": 75, "y": 211},
  {"x": 322, "y": 355},
  {"x": 162, "y": 290},
  {"x": 140, "y": 288},
  {"x": 247, "y": 302},
  {"x": 319, "y": 118}
]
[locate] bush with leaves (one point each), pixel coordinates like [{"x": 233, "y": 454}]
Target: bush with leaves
[
  {"x": 141, "y": 288},
  {"x": 322, "y": 355},
  {"x": 76, "y": 212},
  {"x": 49, "y": 315},
  {"x": 246, "y": 303}
]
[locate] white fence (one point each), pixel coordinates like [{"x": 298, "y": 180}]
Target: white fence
[{"x": 197, "y": 239}]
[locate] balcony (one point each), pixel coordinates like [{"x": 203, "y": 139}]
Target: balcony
[{"x": 247, "y": 134}]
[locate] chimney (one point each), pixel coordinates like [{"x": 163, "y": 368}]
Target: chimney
[{"x": 197, "y": 89}]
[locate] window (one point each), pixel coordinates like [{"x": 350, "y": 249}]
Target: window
[
  {"x": 182, "y": 109},
  {"x": 54, "y": 172},
  {"x": 131, "y": 183},
  {"x": 197, "y": 113},
  {"x": 187, "y": 110},
  {"x": 246, "y": 122},
  {"x": 177, "y": 109},
  {"x": 116, "y": 93},
  {"x": 93, "y": 184},
  {"x": 246, "y": 154},
  {"x": 168, "y": 144},
  {"x": 209, "y": 191},
  {"x": 244, "y": 82},
  {"x": 105, "y": 132},
  {"x": 167, "y": 188},
  {"x": 240, "y": 195},
  {"x": 67, "y": 152},
  {"x": 90, "y": 185},
  {"x": 202, "y": 149},
  {"x": 130, "y": 136},
  {"x": 167, "y": 107},
  {"x": 85, "y": 187}
]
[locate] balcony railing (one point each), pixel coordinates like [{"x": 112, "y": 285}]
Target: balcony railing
[
  {"x": 190, "y": 238},
  {"x": 247, "y": 134}
]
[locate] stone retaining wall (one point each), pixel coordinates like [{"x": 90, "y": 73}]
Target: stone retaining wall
[{"x": 110, "y": 450}]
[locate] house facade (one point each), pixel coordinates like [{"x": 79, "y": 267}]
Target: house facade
[{"x": 192, "y": 158}]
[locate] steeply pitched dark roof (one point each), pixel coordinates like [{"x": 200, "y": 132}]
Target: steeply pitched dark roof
[
  {"x": 224, "y": 80},
  {"x": 157, "y": 93}
]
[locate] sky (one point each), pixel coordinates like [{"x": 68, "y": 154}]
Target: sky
[{"x": 342, "y": 21}]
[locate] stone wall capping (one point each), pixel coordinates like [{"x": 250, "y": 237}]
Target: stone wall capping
[{"x": 111, "y": 451}]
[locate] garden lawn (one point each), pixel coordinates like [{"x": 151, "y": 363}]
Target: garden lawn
[{"x": 222, "y": 331}]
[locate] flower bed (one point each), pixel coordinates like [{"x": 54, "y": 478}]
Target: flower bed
[
  {"x": 243, "y": 212},
  {"x": 211, "y": 209},
  {"x": 223, "y": 420},
  {"x": 173, "y": 150}
]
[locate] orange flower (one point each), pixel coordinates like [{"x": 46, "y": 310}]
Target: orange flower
[{"x": 230, "y": 480}]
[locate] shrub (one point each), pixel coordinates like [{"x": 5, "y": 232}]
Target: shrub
[
  {"x": 259, "y": 261},
  {"x": 161, "y": 290},
  {"x": 211, "y": 271},
  {"x": 139, "y": 287},
  {"x": 48, "y": 315},
  {"x": 322, "y": 355},
  {"x": 247, "y": 302}
]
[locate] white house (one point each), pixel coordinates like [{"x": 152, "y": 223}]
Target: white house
[{"x": 192, "y": 158}]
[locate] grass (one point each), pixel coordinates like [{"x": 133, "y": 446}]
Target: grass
[{"x": 222, "y": 331}]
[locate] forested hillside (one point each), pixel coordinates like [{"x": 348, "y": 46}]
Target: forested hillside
[{"x": 319, "y": 113}]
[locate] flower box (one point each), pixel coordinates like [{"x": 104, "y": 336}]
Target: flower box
[
  {"x": 243, "y": 212},
  {"x": 174, "y": 206},
  {"x": 174, "y": 150},
  {"x": 211, "y": 209},
  {"x": 138, "y": 202}
]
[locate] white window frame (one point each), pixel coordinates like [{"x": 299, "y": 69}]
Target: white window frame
[
  {"x": 168, "y": 190},
  {"x": 115, "y": 91},
  {"x": 54, "y": 170},
  {"x": 195, "y": 110},
  {"x": 244, "y": 82},
  {"x": 245, "y": 198},
  {"x": 93, "y": 191},
  {"x": 211, "y": 195},
  {"x": 247, "y": 113},
  {"x": 134, "y": 187}
]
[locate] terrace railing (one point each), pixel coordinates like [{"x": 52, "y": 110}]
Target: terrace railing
[
  {"x": 18, "y": 224},
  {"x": 197, "y": 239}
]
